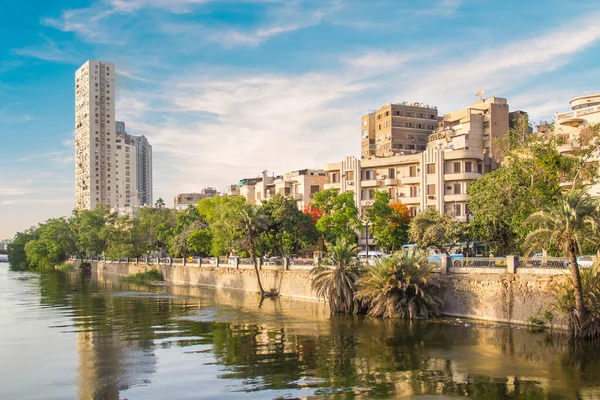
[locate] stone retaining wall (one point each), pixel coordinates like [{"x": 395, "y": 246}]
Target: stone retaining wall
[{"x": 467, "y": 293}]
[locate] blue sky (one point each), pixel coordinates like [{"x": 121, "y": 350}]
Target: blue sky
[{"x": 224, "y": 89}]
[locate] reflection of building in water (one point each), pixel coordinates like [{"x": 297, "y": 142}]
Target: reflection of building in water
[{"x": 108, "y": 364}]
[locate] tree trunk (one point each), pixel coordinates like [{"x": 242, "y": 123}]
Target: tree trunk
[
  {"x": 253, "y": 255},
  {"x": 576, "y": 277}
]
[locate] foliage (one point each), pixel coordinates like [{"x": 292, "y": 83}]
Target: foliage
[
  {"x": 288, "y": 230},
  {"x": 87, "y": 226},
  {"x": 529, "y": 180},
  {"x": 430, "y": 229},
  {"x": 154, "y": 227},
  {"x": 222, "y": 214},
  {"x": 389, "y": 222},
  {"x": 152, "y": 275},
  {"x": 17, "y": 256},
  {"x": 53, "y": 245},
  {"x": 337, "y": 284},
  {"x": 399, "y": 287},
  {"x": 313, "y": 212},
  {"x": 339, "y": 218},
  {"x": 568, "y": 225},
  {"x": 65, "y": 267}
]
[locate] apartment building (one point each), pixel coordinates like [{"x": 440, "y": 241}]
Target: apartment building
[
  {"x": 300, "y": 185},
  {"x": 95, "y": 137},
  {"x": 184, "y": 200},
  {"x": 140, "y": 166},
  {"x": 460, "y": 150},
  {"x": 570, "y": 127},
  {"x": 401, "y": 128}
]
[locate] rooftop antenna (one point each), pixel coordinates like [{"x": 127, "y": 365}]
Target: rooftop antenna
[{"x": 480, "y": 94}]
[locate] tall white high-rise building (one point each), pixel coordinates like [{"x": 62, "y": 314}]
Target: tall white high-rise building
[
  {"x": 95, "y": 137},
  {"x": 141, "y": 165}
]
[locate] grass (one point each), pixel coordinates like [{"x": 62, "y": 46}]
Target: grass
[
  {"x": 65, "y": 267},
  {"x": 152, "y": 275}
]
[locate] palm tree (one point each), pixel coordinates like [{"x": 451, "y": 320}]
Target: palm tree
[
  {"x": 253, "y": 222},
  {"x": 568, "y": 224},
  {"x": 337, "y": 282},
  {"x": 398, "y": 286}
]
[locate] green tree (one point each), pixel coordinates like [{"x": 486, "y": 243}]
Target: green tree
[
  {"x": 157, "y": 226},
  {"x": 87, "y": 228},
  {"x": 54, "y": 244},
  {"x": 339, "y": 218},
  {"x": 17, "y": 257},
  {"x": 337, "y": 283},
  {"x": 222, "y": 214},
  {"x": 568, "y": 224},
  {"x": 289, "y": 229},
  {"x": 160, "y": 203},
  {"x": 199, "y": 241},
  {"x": 252, "y": 222},
  {"x": 400, "y": 287},
  {"x": 431, "y": 229},
  {"x": 389, "y": 222}
]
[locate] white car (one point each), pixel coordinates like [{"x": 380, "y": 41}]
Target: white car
[{"x": 373, "y": 256}]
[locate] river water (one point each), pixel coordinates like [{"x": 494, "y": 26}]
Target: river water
[{"x": 72, "y": 335}]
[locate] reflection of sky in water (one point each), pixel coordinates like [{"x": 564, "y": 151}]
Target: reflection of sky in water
[{"x": 64, "y": 336}]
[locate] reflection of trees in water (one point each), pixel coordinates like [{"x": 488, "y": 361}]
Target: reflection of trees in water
[{"x": 351, "y": 358}]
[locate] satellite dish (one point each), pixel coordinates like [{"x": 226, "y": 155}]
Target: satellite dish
[{"x": 480, "y": 93}]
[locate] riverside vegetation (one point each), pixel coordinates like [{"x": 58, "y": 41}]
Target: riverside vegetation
[{"x": 525, "y": 206}]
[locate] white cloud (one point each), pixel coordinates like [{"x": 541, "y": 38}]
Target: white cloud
[{"x": 49, "y": 51}]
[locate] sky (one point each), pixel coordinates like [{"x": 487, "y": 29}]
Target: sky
[{"x": 225, "y": 89}]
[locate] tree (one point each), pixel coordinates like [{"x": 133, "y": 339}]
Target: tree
[
  {"x": 17, "y": 256},
  {"x": 431, "y": 229},
  {"x": 53, "y": 245},
  {"x": 198, "y": 242},
  {"x": 389, "y": 222},
  {"x": 194, "y": 239},
  {"x": 530, "y": 180},
  {"x": 568, "y": 224},
  {"x": 252, "y": 223},
  {"x": 87, "y": 226},
  {"x": 289, "y": 228},
  {"x": 337, "y": 284},
  {"x": 339, "y": 218},
  {"x": 157, "y": 226},
  {"x": 222, "y": 214},
  {"x": 399, "y": 287},
  {"x": 160, "y": 203}
]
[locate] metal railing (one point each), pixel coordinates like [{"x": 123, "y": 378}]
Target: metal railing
[{"x": 479, "y": 262}]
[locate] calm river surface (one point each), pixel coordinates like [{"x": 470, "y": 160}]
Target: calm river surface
[{"x": 67, "y": 336}]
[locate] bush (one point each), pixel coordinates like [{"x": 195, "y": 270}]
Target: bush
[
  {"x": 65, "y": 267},
  {"x": 152, "y": 275}
]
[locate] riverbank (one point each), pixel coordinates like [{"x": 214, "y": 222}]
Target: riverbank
[{"x": 483, "y": 295}]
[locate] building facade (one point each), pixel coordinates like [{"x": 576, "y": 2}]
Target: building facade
[
  {"x": 95, "y": 137},
  {"x": 184, "y": 200},
  {"x": 397, "y": 129},
  {"x": 570, "y": 127},
  {"x": 142, "y": 167},
  {"x": 460, "y": 150}
]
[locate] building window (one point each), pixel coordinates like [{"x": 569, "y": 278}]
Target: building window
[
  {"x": 431, "y": 168},
  {"x": 430, "y": 190},
  {"x": 479, "y": 168},
  {"x": 468, "y": 166},
  {"x": 412, "y": 172},
  {"x": 456, "y": 167},
  {"x": 391, "y": 173},
  {"x": 414, "y": 191},
  {"x": 457, "y": 210},
  {"x": 456, "y": 189},
  {"x": 413, "y": 211},
  {"x": 350, "y": 175}
]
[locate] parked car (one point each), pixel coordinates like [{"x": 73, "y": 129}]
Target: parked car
[
  {"x": 272, "y": 261},
  {"x": 585, "y": 261},
  {"x": 372, "y": 257}
]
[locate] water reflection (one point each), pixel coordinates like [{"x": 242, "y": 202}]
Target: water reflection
[{"x": 187, "y": 342}]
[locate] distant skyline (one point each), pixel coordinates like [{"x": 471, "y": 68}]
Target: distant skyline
[{"x": 226, "y": 89}]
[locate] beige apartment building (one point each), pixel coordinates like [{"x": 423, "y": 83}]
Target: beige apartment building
[
  {"x": 300, "y": 185},
  {"x": 95, "y": 138},
  {"x": 585, "y": 113},
  {"x": 459, "y": 151},
  {"x": 184, "y": 200},
  {"x": 401, "y": 128}
]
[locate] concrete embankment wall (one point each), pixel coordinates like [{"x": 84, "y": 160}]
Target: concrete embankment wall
[{"x": 492, "y": 296}]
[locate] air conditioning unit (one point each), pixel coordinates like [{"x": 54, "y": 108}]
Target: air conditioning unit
[
  {"x": 400, "y": 194},
  {"x": 431, "y": 197},
  {"x": 350, "y": 182}
]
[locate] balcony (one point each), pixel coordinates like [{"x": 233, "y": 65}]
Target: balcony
[
  {"x": 297, "y": 196},
  {"x": 450, "y": 198},
  {"x": 411, "y": 179},
  {"x": 369, "y": 183},
  {"x": 334, "y": 185},
  {"x": 410, "y": 200},
  {"x": 464, "y": 154},
  {"x": 462, "y": 176},
  {"x": 391, "y": 182}
]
